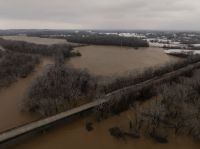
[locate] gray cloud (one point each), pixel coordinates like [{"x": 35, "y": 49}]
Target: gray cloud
[{"x": 103, "y": 14}]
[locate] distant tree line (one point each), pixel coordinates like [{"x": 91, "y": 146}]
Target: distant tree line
[
  {"x": 99, "y": 39},
  {"x": 191, "y": 47},
  {"x": 191, "y": 40},
  {"x": 31, "y": 48},
  {"x": 173, "y": 47},
  {"x": 15, "y": 65}
]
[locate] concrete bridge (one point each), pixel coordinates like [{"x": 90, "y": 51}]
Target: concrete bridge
[{"x": 16, "y": 134}]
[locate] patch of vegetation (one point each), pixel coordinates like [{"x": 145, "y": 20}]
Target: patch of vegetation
[
  {"x": 191, "y": 40},
  {"x": 122, "y": 101},
  {"x": 174, "y": 109},
  {"x": 89, "y": 126},
  {"x": 31, "y": 48},
  {"x": 15, "y": 65},
  {"x": 100, "y": 39},
  {"x": 59, "y": 89}
]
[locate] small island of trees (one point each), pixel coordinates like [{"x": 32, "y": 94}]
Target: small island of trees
[{"x": 100, "y": 39}]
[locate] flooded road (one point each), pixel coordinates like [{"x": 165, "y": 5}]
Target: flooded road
[
  {"x": 108, "y": 60},
  {"x": 74, "y": 135},
  {"x": 11, "y": 100}
]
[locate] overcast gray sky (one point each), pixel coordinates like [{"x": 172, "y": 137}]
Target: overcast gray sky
[{"x": 100, "y": 14}]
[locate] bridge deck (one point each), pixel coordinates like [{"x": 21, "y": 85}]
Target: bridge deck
[{"x": 29, "y": 127}]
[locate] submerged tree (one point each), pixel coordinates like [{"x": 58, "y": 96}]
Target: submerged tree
[
  {"x": 59, "y": 89},
  {"x": 15, "y": 65}
]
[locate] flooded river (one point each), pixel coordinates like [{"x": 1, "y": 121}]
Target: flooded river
[
  {"x": 11, "y": 100},
  {"x": 75, "y": 136},
  {"x": 108, "y": 60}
]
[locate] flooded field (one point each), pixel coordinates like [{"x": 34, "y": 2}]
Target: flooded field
[
  {"x": 36, "y": 40},
  {"x": 11, "y": 100},
  {"x": 76, "y": 136},
  {"x": 99, "y": 60},
  {"x": 108, "y": 60}
]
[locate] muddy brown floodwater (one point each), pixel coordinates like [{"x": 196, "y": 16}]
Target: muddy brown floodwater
[
  {"x": 75, "y": 136},
  {"x": 108, "y": 60},
  {"x": 99, "y": 60},
  {"x": 11, "y": 99}
]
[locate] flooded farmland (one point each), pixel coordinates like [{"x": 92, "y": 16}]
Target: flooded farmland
[
  {"x": 99, "y": 60},
  {"x": 108, "y": 60}
]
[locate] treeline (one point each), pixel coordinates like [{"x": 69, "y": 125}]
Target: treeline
[
  {"x": 173, "y": 107},
  {"x": 100, "y": 39},
  {"x": 191, "y": 47},
  {"x": 31, "y": 48},
  {"x": 15, "y": 65},
  {"x": 174, "y": 47},
  {"x": 149, "y": 73},
  {"x": 59, "y": 89},
  {"x": 191, "y": 40}
]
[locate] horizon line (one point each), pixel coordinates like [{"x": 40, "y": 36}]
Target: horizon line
[{"x": 51, "y": 29}]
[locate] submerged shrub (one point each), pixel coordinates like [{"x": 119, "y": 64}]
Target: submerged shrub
[
  {"x": 116, "y": 132},
  {"x": 15, "y": 65}
]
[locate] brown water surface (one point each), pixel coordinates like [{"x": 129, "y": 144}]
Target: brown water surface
[
  {"x": 11, "y": 100},
  {"x": 75, "y": 136},
  {"x": 108, "y": 60}
]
